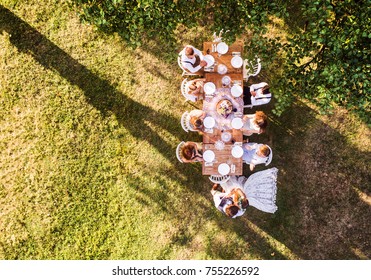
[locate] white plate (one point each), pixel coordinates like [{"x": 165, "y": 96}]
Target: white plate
[
  {"x": 222, "y": 69},
  {"x": 223, "y": 169},
  {"x": 209, "y": 122},
  {"x": 209, "y": 59},
  {"x": 209, "y": 156},
  {"x": 236, "y": 61},
  {"x": 222, "y": 48},
  {"x": 226, "y": 136},
  {"x": 237, "y": 123},
  {"x": 209, "y": 88},
  {"x": 236, "y": 90},
  {"x": 226, "y": 80},
  {"x": 237, "y": 151}
]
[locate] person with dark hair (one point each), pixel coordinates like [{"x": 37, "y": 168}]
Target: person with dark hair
[
  {"x": 254, "y": 123},
  {"x": 192, "y": 59},
  {"x": 196, "y": 119},
  {"x": 259, "y": 190},
  {"x": 191, "y": 152},
  {"x": 257, "y": 94}
]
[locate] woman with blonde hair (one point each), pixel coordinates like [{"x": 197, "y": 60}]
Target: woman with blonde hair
[
  {"x": 195, "y": 88},
  {"x": 254, "y": 154},
  {"x": 254, "y": 123}
]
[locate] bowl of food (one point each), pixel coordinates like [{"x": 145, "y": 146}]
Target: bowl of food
[{"x": 222, "y": 69}]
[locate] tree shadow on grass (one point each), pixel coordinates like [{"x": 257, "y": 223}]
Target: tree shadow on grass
[
  {"x": 320, "y": 213},
  {"x": 99, "y": 92}
]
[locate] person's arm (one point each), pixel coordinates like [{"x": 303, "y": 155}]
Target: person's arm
[
  {"x": 252, "y": 166},
  {"x": 190, "y": 68}
]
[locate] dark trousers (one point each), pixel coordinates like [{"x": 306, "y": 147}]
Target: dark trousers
[{"x": 246, "y": 95}]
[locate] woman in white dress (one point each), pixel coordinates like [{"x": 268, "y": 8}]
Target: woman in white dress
[
  {"x": 254, "y": 123},
  {"x": 259, "y": 191},
  {"x": 254, "y": 154}
]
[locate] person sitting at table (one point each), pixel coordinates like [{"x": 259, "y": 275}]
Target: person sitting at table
[
  {"x": 257, "y": 94},
  {"x": 197, "y": 119},
  {"x": 192, "y": 59},
  {"x": 191, "y": 152},
  {"x": 254, "y": 123},
  {"x": 225, "y": 202},
  {"x": 259, "y": 191},
  {"x": 254, "y": 154},
  {"x": 196, "y": 88}
]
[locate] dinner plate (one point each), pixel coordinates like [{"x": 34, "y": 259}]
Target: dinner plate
[
  {"x": 208, "y": 155},
  {"x": 236, "y": 61},
  {"x": 237, "y": 123},
  {"x": 209, "y": 88},
  {"x": 209, "y": 122},
  {"x": 210, "y": 60},
  {"x": 237, "y": 151},
  {"x": 223, "y": 169},
  {"x": 236, "y": 90},
  {"x": 222, "y": 69},
  {"x": 222, "y": 48}
]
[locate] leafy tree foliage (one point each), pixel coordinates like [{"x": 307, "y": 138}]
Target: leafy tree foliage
[
  {"x": 329, "y": 60},
  {"x": 326, "y": 60}
]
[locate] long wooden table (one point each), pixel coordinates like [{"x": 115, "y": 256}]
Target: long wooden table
[{"x": 236, "y": 75}]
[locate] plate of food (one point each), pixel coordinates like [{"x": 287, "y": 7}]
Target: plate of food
[
  {"x": 210, "y": 60},
  {"x": 236, "y": 90},
  {"x": 236, "y": 61},
  {"x": 209, "y": 88},
  {"x": 224, "y": 107},
  {"x": 222, "y": 48}
]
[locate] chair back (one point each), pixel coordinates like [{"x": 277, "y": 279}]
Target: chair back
[
  {"x": 185, "y": 72},
  {"x": 183, "y": 89},
  {"x": 178, "y": 149},
  {"x": 251, "y": 68},
  {"x": 219, "y": 179},
  {"x": 270, "y": 157},
  {"x": 185, "y": 122}
]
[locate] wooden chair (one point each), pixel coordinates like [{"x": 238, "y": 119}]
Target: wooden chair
[
  {"x": 219, "y": 179},
  {"x": 178, "y": 149},
  {"x": 251, "y": 68}
]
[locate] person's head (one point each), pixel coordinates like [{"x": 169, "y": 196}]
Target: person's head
[
  {"x": 192, "y": 86},
  {"x": 188, "y": 151},
  {"x": 261, "y": 120},
  {"x": 263, "y": 151},
  {"x": 265, "y": 89},
  {"x": 189, "y": 52},
  {"x": 231, "y": 210},
  {"x": 196, "y": 122}
]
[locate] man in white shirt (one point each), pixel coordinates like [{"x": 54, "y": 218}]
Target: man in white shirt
[
  {"x": 192, "y": 59},
  {"x": 257, "y": 94}
]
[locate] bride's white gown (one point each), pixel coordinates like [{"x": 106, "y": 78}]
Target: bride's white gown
[{"x": 260, "y": 188}]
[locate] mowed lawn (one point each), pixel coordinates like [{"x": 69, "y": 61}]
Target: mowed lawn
[{"x": 88, "y": 131}]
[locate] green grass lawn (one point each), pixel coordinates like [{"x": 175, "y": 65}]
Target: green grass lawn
[{"x": 88, "y": 131}]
